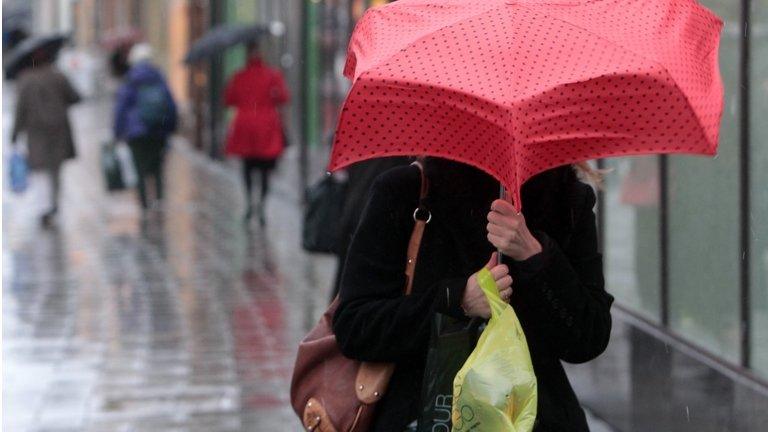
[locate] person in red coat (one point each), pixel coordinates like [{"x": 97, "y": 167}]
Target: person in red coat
[{"x": 256, "y": 134}]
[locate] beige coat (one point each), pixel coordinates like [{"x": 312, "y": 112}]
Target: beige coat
[{"x": 44, "y": 95}]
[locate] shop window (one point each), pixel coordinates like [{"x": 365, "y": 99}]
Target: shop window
[
  {"x": 704, "y": 252},
  {"x": 632, "y": 243},
  {"x": 758, "y": 159}
]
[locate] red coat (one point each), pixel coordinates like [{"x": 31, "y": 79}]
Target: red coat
[{"x": 256, "y": 132}]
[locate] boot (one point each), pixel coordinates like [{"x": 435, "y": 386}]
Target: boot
[
  {"x": 248, "y": 214},
  {"x": 262, "y": 216}
]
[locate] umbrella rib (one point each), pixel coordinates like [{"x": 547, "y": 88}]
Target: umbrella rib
[
  {"x": 414, "y": 42},
  {"x": 650, "y": 60}
]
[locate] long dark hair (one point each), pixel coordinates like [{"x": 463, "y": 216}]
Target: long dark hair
[{"x": 547, "y": 197}]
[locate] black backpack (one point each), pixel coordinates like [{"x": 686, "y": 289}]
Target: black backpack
[{"x": 153, "y": 105}]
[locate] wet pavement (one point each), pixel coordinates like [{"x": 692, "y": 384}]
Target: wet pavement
[{"x": 187, "y": 321}]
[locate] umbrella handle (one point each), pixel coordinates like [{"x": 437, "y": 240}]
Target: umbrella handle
[{"x": 502, "y": 195}]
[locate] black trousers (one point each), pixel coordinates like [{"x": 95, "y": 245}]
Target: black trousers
[
  {"x": 264, "y": 167},
  {"x": 148, "y": 155}
]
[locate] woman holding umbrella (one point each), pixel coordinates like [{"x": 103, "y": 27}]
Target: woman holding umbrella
[
  {"x": 549, "y": 252},
  {"x": 44, "y": 97},
  {"x": 457, "y": 82},
  {"x": 256, "y": 134}
]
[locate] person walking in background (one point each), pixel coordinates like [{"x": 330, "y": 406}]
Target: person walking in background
[
  {"x": 44, "y": 97},
  {"x": 145, "y": 116},
  {"x": 256, "y": 134}
]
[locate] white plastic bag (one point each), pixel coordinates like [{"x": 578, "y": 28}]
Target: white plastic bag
[{"x": 127, "y": 168}]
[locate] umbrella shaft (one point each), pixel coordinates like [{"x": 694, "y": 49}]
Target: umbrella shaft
[{"x": 502, "y": 195}]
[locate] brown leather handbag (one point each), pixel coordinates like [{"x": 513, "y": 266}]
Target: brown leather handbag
[{"x": 333, "y": 393}]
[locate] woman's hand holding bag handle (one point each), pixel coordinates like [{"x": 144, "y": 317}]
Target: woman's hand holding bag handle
[
  {"x": 333, "y": 393},
  {"x": 496, "y": 389}
]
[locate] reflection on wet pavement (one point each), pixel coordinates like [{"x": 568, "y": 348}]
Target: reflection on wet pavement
[{"x": 185, "y": 322}]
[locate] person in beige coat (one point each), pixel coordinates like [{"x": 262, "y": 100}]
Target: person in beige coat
[{"x": 44, "y": 96}]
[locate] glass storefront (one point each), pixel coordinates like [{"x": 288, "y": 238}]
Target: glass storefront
[
  {"x": 632, "y": 233},
  {"x": 704, "y": 215},
  {"x": 704, "y": 231},
  {"x": 758, "y": 159},
  {"x": 329, "y": 25}
]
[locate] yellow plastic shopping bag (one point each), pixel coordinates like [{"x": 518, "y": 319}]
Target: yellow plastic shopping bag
[{"x": 495, "y": 390}]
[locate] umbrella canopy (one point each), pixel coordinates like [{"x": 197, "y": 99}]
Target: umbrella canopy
[
  {"x": 222, "y": 37},
  {"x": 30, "y": 50},
  {"x": 520, "y": 86}
]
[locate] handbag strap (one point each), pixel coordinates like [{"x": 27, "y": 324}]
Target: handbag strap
[
  {"x": 421, "y": 217},
  {"x": 373, "y": 378}
]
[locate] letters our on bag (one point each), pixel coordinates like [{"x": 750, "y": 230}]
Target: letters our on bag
[{"x": 441, "y": 420}]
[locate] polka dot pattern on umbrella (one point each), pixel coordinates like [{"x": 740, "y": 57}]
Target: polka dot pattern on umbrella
[{"x": 515, "y": 87}]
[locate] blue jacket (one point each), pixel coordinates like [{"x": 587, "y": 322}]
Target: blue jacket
[{"x": 128, "y": 123}]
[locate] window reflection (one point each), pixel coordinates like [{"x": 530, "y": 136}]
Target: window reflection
[
  {"x": 758, "y": 190},
  {"x": 704, "y": 231},
  {"x": 632, "y": 233}
]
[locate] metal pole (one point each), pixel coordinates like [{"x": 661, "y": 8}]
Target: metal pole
[{"x": 745, "y": 312}]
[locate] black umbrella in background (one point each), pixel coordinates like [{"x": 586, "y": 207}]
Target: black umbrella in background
[
  {"x": 31, "y": 50},
  {"x": 222, "y": 37},
  {"x": 15, "y": 25}
]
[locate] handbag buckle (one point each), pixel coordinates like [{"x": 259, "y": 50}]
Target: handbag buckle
[{"x": 427, "y": 213}]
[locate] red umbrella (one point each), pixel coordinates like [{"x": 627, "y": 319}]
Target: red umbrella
[{"x": 518, "y": 87}]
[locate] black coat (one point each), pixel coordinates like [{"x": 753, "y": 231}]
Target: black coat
[
  {"x": 361, "y": 177},
  {"x": 558, "y": 294}
]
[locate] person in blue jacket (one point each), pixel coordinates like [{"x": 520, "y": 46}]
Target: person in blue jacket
[{"x": 145, "y": 116}]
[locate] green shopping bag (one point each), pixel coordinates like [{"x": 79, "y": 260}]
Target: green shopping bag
[
  {"x": 450, "y": 344},
  {"x": 495, "y": 390}
]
